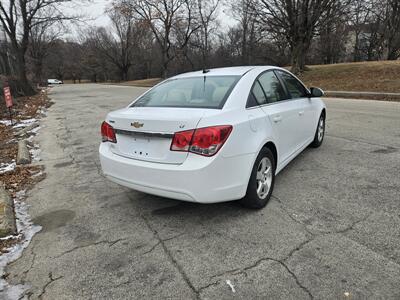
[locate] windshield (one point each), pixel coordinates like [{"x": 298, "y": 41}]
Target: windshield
[{"x": 195, "y": 92}]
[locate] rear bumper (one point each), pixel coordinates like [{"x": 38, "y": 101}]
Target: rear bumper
[{"x": 199, "y": 179}]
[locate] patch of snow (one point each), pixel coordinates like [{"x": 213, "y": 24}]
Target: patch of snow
[
  {"x": 229, "y": 283},
  {"x": 27, "y": 230},
  {"x": 43, "y": 112},
  {"x": 34, "y": 130},
  {"x": 40, "y": 173},
  {"x": 30, "y": 138},
  {"x": 7, "y": 167},
  {"x": 35, "y": 154},
  {"x": 25, "y": 123},
  {"x": 28, "y": 121},
  {"x": 5, "y": 122}
]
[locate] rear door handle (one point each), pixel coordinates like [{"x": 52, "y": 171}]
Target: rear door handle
[
  {"x": 301, "y": 113},
  {"x": 277, "y": 119}
]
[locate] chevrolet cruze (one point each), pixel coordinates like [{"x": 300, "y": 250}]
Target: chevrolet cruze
[{"x": 214, "y": 135}]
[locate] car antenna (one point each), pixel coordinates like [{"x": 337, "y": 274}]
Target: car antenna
[{"x": 205, "y": 71}]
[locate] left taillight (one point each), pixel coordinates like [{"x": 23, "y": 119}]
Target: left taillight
[{"x": 108, "y": 133}]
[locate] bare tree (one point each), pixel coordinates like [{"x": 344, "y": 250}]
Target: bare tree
[
  {"x": 5, "y": 57},
  {"x": 207, "y": 12},
  {"x": 94, "y": 66},
  {"x": 168, "y": 20},
  {"x": 58, "y": 59},
  {"x": 117, "y": 44},
  {"x": 392, "y": 32},
  {"x": 245, "y": 12},
  {"x": 361, "y": 14},
  {"x": 332, "y": 34},
  {"x": 41, "y": 38},
  {"x": 297, "y": 20},
  {"x": 18, "y": 18}
]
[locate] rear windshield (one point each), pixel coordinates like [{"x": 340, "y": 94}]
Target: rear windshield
[{"x": 196, "y": 92}]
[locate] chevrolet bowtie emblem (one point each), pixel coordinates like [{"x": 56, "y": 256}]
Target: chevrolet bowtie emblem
[{"x": 137, "y": 124}]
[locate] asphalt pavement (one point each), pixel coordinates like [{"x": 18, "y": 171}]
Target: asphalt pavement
[{"x": 331, "y": 230}]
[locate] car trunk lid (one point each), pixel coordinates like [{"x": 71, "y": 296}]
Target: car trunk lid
[{"x": 145, "y": 133}]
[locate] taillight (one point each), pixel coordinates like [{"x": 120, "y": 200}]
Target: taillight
[
  {"x": 181, "y": 141},
  {"x": 108, "y": 133},
  {"x": 204, "y": 141}
]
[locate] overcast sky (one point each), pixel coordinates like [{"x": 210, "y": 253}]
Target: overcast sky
[{"x": 95, "y": 11}]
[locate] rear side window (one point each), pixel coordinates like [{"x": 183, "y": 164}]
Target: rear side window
[
  {"x": 272, "y": 87},
  {"x": 258, "y": 94},
  {"x": 295, "y": 88},
  {"x": 195, "y": 92},
  {"x": 266, "y": 89}
]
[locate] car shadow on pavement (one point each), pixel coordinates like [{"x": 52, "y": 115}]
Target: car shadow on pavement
[
  {"x": 189, "y": 208},
  {"x": 164, "y": 207}
]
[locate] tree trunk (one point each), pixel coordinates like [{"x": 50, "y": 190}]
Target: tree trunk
[
  {"x": 164, "y": 63},
  {"x": 298, "y": 58},
  {"x": 6, "y": 70},
  {"x": 39, "y": 72},
  {"x": 205, "y": 55},
  {"x": 356, "y": 56},
  {"x": 27, "y": 89},
  {"x": 125, "y": 72}
]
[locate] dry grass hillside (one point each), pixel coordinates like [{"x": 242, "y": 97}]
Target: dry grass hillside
[{"x": 377, "y": 76}]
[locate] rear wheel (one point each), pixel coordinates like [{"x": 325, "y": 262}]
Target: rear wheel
[
  {"x": 320, "y": 132},
  {"x": 262, "y": 179}
]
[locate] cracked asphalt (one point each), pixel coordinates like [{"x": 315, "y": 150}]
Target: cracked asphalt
[{"x": 331, "y": 228}]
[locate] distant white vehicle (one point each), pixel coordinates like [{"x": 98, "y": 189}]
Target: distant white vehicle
[{"x": 54, "y": 81}]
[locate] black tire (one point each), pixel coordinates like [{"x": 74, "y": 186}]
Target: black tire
[
  {"x": 252, "y": 198},
  {"x": 317, "y": 138}
]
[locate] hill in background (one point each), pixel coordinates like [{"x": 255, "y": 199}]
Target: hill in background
[{"x": 376, "y": 76}]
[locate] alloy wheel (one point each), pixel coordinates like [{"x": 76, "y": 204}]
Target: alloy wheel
[
  {"x": 321, "y": 129},
  {"x": 264, "y": 177}
]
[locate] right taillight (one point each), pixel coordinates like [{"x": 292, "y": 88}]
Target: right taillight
[
  {"x": 108, "y": 133},
  {"x": 204, "y": 141}
]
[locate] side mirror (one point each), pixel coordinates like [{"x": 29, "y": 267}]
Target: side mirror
[{"x": 316, "y": 92}]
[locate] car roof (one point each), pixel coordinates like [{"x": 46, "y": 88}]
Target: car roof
[{"x": 229, "y": 71}]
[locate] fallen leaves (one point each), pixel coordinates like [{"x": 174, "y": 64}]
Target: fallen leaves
[{"x": 22, "y": 177}]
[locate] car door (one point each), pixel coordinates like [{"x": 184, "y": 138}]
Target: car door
[
  {"x": 280, "y": 112},
  {"x": 305, "y": 127}
]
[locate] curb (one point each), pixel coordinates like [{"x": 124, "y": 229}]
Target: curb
[
  {"x": 7, "y": 217},
  {"x": 364, "y": 95},
  {"x": 23, "y": 157}
]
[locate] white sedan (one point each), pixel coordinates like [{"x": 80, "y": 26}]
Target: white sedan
[
  {"x": 214, "y": 135},
  {"x": 54, "y": 81}
]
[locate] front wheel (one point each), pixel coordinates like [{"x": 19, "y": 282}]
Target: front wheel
[
  {"x": 262, "y": 179},
  {"x": 320, "y": 132}
]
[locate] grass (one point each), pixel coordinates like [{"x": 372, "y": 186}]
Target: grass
[{"x": 377, "y": 76}]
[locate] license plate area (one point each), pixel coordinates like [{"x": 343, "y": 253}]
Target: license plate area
[{"x": 143, "y": 146}]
